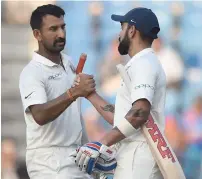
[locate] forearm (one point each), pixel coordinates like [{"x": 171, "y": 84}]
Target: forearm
[
  {"x": 135, "y": 118},
  {"x": 47, "y": 112},
  {"x": 105, "y": 109},
  {"x": 112, "y": 137}
]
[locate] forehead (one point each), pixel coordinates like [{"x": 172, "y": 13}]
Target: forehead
[{"x": 50, "y": 20}]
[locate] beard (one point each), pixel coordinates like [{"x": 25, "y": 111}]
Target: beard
[
  {"x": 56, "y": 47},
  {"x": 124, "y": 45},
  {"x": 59, "y": 44}
]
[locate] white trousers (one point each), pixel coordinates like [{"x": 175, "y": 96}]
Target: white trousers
[
  {"x": 53, "y": 163},
  {"x": 135, "y": 161}
]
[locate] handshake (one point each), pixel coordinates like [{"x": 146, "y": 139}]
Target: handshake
[
  {"x": 83, "y": 86},
  {"x": 97, "y": 158},
  {"x": 92, "y": 157}
]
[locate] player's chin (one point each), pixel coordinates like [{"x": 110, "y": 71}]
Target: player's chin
[{"x": 59, "y": 48}]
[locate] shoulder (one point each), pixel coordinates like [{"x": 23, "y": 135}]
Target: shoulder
[
  {"x": 145, "y": 63},
  {"x": 66, "y": 58},
  {"x": 31, "y": 71}
]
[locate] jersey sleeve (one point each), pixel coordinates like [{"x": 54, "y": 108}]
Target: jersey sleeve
[
  {"x": 143, "y": 79},
  {"x": 32, "y": 90}
]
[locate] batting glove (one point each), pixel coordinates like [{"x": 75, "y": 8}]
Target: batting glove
[
  {"x": 88, "y": 154},
  {"x": 104, "y": 166}
]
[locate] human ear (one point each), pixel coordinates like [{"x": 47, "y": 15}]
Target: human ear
[
  {"x": 132, "y": 31},
  {"x": 37, "y": 34}
]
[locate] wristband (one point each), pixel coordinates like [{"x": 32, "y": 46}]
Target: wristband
[{"x": 126, "y": 128}]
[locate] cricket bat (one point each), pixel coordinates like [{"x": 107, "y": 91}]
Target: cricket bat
[{"x": 159, "y": 146}]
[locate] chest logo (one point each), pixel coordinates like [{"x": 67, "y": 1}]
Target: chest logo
[{"x": 52, "y": 77}]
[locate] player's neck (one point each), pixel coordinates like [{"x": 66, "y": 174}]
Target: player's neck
[
  {"x": 54, "y": 57},
  {"x": 136, "y": 48}
]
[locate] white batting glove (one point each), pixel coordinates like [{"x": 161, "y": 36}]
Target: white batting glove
[
  {"x": 104, "y": 166},
  {"x": 88, "y": 154}
]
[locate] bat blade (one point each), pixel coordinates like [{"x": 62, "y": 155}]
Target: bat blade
[
  {"x": 158, "y": 144},
  {"x": 81, "y": 63}
]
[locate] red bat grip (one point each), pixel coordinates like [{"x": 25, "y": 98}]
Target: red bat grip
[{"x": 81, "y": 63}]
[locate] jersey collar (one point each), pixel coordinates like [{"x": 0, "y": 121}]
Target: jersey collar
[
  {"x": 45, "y": 61},
  {"x": 138, "y": 55}
]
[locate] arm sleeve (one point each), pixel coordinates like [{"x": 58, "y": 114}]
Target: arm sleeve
[
  {"x": 32, "y": 90},
  {"x": 143, "y": 79}
]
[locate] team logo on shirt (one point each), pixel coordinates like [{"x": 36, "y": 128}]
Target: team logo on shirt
[
  {"x": 144, "y": 86},
  {"x": 52, "y": 77}
]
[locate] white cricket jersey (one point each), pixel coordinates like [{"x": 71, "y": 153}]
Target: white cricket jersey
[
  {"x": 41, "y": 81},
  {"x": 148, "y": 81}
]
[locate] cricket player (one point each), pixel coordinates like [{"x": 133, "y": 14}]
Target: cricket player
[
  {"x": 139, "y": 27},
  {"x": 51, "y": 105}
]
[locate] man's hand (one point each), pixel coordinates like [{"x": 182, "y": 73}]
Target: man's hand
[
  {"x": 88, "y": 154},
  {"x": 85, "y": 85},
  {"x": 76, "y": 81}
]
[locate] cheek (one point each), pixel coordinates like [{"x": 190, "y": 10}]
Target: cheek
[
  {"x": 48, "y": 39},
  {"x": 121, "y": 36}
]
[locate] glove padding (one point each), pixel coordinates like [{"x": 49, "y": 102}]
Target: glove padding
[
  {"x": 104, "y": 166},
  {"x": 88, "y": 155}
]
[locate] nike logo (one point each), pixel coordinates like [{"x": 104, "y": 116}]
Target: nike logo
[
  {"x": 29, "y": 95},
  {"x": 133, "y": 21}
]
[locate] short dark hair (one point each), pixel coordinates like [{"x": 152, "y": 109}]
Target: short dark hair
[{"x": 41, "y": 11}]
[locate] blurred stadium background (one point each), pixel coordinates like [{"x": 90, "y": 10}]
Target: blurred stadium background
[{"x": 91, "y": 30}]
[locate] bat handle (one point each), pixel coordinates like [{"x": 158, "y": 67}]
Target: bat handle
[{"x": 81, "y": 63}]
